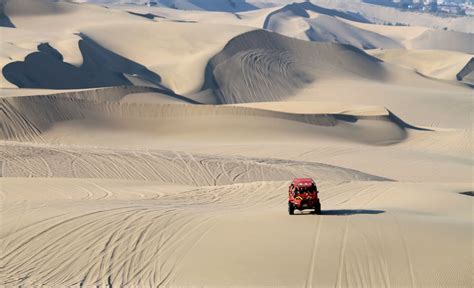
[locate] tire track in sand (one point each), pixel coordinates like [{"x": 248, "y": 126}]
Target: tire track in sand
[{"x": 309, "y": 276}]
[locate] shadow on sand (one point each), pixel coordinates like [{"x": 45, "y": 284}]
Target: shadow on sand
[
  {"x": 467, "y": 193},
  {"x": 342, "y": 212},
  {"x": 100, "y": 68}
]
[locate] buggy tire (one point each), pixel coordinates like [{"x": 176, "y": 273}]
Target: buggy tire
[
  {"x": 291, "y": 209},
  {"x": 317, "y": 208}
]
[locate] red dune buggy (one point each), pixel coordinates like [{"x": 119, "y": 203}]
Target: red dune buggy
[{"x": 303, "y": 194}]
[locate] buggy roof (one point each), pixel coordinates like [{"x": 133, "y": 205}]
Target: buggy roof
[{"x": 303, "y": 182}]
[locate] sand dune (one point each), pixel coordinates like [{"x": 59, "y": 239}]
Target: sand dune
[
  {"x": 164, "y": 167},
  {"x": 431, "y": 63},
  {"x": 310, "y": 22},
  {"x": 421, "y": 37},
  {"x": 78, "y": 61},
  {"x": 382, "y": 15},
  {"x": 270, "y": 67},
  {"x": 100, "y": 58},
  {"x": 444, "y": 40},
  {"x": 356, "y": 9},
  {"x": 260, "y": 66},
  {"x": 23, "y": 122},
  {"x": 314, "y": 23},
  {"x": 148, "y": 146},
  {"x": 183, "y": 74},
  {"x": 82, "y": 118}
]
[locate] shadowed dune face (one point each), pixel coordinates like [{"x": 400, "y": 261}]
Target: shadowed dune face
[
  {"x": 321, "y": 30},
  {"x": 467, "y": 72},
  {"x": 314, "y": 23},
  {"x": 262, "y": 66},
  {"x": 324, "y": 25},
  {"x": 5, "y": 21},
  {"x": 301, "y": 10},
  {"x": 100, "y": 68}
]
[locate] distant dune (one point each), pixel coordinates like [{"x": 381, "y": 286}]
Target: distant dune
[
  {"x": 310, "y": 22},
  {"x": 442, "y": 40},
  {"x": 382, "y": 15},
  {"x": 262, "y": 66},
  {"x": 432, "y": 63}
]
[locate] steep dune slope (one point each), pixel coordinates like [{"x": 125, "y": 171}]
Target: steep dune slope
[
  {"x": 263, "y": 66},
  {"x": 260, "y": 66},
  {"x": 178, "y": 52},
  {"x": 107, "y": 60},
  {"x": 310, "y": 22},
  {"x": 314, "y": 23}
]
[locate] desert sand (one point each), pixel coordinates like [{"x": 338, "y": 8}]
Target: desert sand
[{"x": 148, "y": 146}]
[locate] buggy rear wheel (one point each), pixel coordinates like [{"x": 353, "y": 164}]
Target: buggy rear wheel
[
  {"x": 317, "y": 208},
  {"x": 291, "y": 209}
]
